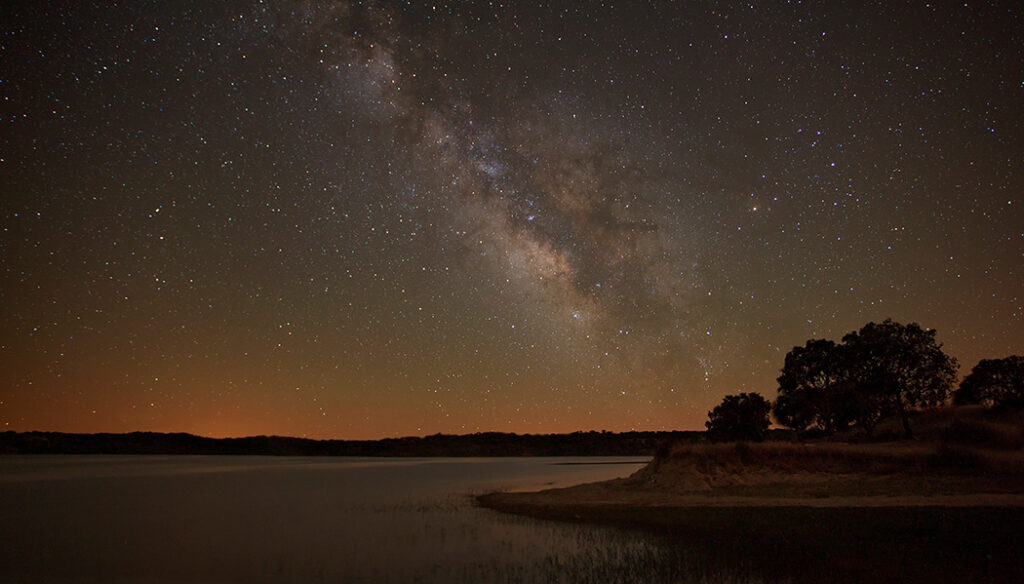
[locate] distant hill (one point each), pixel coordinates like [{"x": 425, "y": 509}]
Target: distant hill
[
  {"x": 480, "y": 444},
  {"x": 972, "y": 425}
]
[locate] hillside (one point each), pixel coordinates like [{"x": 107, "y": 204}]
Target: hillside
[{"x": 480, "y": 444}]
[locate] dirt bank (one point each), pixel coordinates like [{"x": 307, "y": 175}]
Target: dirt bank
[{"x": 681, "y": 485}]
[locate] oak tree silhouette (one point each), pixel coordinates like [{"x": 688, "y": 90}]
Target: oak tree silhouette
[
  {"x": 994, "y": 382},
  {"x": 742, "y": 417},
  {"x": 883, "y": 369}
]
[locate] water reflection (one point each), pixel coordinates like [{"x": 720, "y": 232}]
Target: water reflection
[{"x": 224, "y": 519}]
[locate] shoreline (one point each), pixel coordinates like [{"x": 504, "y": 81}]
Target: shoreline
[
  {"x": 852, "y": 539},
  {"x": 702, "y": 488}
]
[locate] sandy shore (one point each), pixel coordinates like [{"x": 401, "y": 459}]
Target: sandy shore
[{"x": 708, "y": 486}]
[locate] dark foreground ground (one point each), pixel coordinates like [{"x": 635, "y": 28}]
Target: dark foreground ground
[{"x": 821, "y": 544}]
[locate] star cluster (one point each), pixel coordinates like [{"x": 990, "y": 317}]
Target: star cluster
[{"x": 372, "y": 219}]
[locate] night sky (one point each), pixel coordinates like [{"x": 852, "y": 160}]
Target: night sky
[{"x": 384, "y": 219}]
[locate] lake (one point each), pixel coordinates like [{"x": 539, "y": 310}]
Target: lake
[
  {"x": 249, "y": 519},
  {"x": 283, "y": 519}
]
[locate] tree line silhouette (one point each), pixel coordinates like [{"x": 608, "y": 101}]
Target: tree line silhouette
[
  {"x": 883, "y": 370},
  {"x": 479, "y": 444}
]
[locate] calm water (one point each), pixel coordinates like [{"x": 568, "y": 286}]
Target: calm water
[
  {"x": 266, "y": 519},
  {"x": 135, "y": 519}
]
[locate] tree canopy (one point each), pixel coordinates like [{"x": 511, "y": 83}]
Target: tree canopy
[
  {"x": 882, "y": 369},
  {"x": 739, "y": 417},
  {"x": 994, "y": 382},
  {"x": 899, "y": 367},
  {"x": 812, "y": 390}
]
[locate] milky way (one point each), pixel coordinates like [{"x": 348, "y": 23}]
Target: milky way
[{"x": 379, "y": 219}]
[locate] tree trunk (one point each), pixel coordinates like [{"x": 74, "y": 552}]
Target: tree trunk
[
  {"x": 869, "y": 429},
  {"x": 905, "y": 417}
]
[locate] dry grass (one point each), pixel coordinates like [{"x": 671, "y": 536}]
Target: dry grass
[
  {"x": 934, "y": 424},
  {"x": 984, "y": 434},
  {"x": 830, "y": 470},
  {"x": 945, "y": 456},
  {"x": 796, "y": 457}
]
